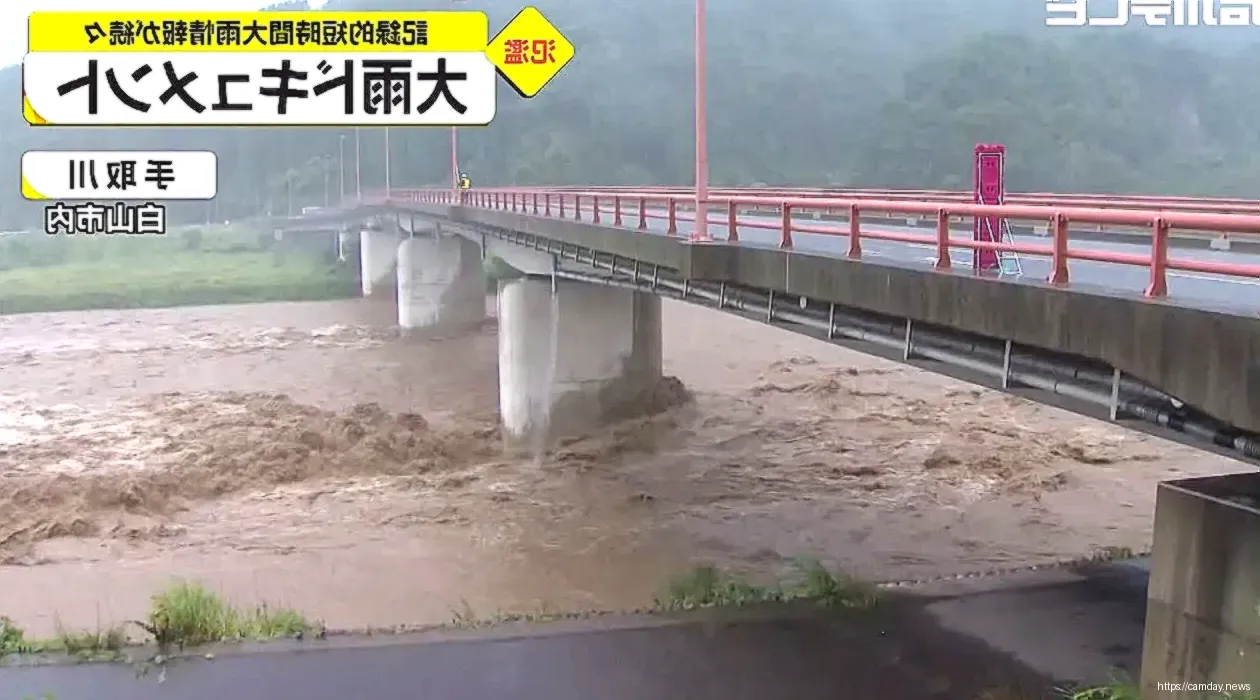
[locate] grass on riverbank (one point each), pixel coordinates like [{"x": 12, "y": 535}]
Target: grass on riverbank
[
  {"x": 709, "y": 587},
  {"x": 182, "y": 279},
  {"x": 183, "y": 615},
  {"x": 191, "y": 266}
]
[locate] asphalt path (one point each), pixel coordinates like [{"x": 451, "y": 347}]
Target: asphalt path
[{"x": 1051, "y": 629}]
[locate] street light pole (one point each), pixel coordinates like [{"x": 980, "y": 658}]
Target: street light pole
[
  {"x": 455, "y": 179},
  {"x": 288, "y": 175},
  {"x": 358, "y": 166},
  {"x": 341, "y": 170},
  {"x": 388, "y": 191},
  {"x": 701, "y": 232}
]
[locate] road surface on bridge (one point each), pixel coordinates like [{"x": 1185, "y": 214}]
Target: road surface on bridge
[
  {"x": 1185, "y": 288},
  {"x": 1199, "y": 290}
]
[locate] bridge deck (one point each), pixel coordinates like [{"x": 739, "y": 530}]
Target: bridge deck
[
  {"x": 1185, "y": 288},
  {"x": 1191, "y": 289}
]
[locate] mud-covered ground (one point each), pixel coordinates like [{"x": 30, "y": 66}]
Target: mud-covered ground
[{"x": 302, "y": 454}]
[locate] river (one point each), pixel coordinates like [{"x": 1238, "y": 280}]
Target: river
[{"x": 304, "y": 454}]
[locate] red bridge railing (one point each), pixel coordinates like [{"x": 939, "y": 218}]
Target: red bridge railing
[
  {"x": 634, "y": 208},
  {"x": 1219, "y": 205}
]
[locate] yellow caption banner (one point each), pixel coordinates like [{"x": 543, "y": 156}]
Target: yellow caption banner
[
  {"x": 528, "y": 52},
  {"x": 284, "y": 32}
]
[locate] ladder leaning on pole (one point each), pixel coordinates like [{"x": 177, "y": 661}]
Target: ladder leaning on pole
[{"x": 1008, "y": 261}]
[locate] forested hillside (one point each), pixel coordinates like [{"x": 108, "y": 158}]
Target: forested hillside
[{"x": 849, "y": 92}]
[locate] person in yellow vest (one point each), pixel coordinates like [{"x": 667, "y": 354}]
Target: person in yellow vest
[{"x": 465, "y": 184}]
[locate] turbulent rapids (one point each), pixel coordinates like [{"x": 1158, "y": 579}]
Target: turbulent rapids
[{"x": 295, "y": 452}]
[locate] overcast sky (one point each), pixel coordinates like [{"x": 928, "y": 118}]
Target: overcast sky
[{"x": 13, "y": 15}]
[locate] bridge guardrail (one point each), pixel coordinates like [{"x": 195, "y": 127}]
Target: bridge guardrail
[
  {"x": 1218, "y": 205},
  {"x": 1032, "y": 229},
  {"x": 1221, "y": 205},
  {"x": 633, "y": 209}
]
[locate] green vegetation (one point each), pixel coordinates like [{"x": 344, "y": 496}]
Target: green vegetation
[
  {"x": 196, "y": 265},
  {"x": 1117, "y": 690},
  {"x": 845, "y": 93},
  {"x": 708, "y": 587},
  {"x": 184, "y": 615},
  {"x": 99, "y": 644},
  {"x": 188, "y": 614}
]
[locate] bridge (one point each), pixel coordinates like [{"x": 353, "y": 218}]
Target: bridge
[
  {"x": 1096, "y": 326},
  {"x": 1140, "y": 310}
]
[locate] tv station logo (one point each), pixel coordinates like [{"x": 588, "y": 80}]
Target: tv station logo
[
  {"x": 1153, "y": 13},
  {"x": 115, "y": 192}
]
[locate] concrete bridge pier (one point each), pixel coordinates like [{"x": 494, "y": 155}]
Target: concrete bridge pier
[
  {"x": 573, "y": 356},
  {"x": 440, "y": 283},
  {"x": 378, "y": 251}
]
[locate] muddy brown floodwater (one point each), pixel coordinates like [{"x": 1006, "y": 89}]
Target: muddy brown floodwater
[{"x": 302, "y": 454}]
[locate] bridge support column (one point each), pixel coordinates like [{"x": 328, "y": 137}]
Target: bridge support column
[
  {"x": 1202, "y": 619},
  {"x": 378, "y": 252},
  {"x": 440, "y": 283},
  {"x": 573, "y": 357}
]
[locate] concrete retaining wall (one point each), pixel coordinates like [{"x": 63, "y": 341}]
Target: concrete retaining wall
[{"x": 1203, "y": 601}]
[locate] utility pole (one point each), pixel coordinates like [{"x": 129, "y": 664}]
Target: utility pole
[
  {"x": 701, "y": 231},
  {"x": 341, "y": 170},
  {"x": 288, "y": 175},
  {"x": 455, "y": 144},
  {"x": 388, "y": 189},
  {"x": 358, "y": 166}
]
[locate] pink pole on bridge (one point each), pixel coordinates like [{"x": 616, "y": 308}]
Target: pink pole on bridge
[
  {"x": 989, "y": 187},
  {"x": 455, "y": 179},
  {"x": 701, "y": 231}
]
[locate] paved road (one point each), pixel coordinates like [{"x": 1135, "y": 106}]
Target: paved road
[
  {"x": 1188, "y": 288},
  {"x": 1060, "y": 630}
]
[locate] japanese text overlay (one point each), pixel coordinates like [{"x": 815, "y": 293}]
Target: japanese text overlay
[
  {"x": 90, "y": 218},
  {"x": 119, "y": 175},
  {"x": 282, "y": 69}
]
